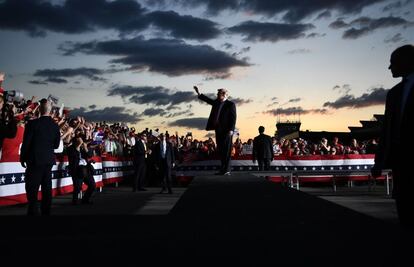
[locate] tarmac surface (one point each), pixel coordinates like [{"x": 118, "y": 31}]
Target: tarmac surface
[{"x": 237, "y": 220}]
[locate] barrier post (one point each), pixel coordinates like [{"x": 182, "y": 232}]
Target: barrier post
[
  {"x": 297, "y": 181},
  {"x": 387, "y": 181}
]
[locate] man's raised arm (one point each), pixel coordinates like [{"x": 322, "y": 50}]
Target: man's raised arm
[{"x": 202, "y": 97}]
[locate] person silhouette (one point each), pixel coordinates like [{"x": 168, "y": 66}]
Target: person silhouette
[
  {"x": 396, "y": 134},
  {"x": 263, "y": 150},
  {"x": 222, "y": 119}
]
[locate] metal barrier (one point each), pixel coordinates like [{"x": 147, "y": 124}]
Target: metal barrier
[{"x": 293, "y": 177}]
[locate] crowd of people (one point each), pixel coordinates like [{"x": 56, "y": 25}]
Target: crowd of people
[
  {"x": 81, "y": 140},
  {"x": 118, "y": 139}
]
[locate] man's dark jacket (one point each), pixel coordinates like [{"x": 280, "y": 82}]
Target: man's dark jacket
[
  {"x": 396, "y": 138},
  {"x": 227, "y": 116},
  {"x": 262, "y": 147},
  {"x": 41, "y": 137},
  {"x": 169, "y": 154}
]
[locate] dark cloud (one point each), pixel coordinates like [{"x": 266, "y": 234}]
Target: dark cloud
[
  {"x": 164, "y": 112},
  {"x": 240, "y": 101},
  {"x": 171, "y": 57},
  {"x": 109, "y": 114},
  {"x": 315, "y": 35},
  {"x": 188, "y": 113},
  {"x": 365, "y": 25},
  {"x": 295, "y": 100},
  {"x": 227, "y": 46},
  {"x": 38, "y": 82},
  {"x": 274, "y": 100},
  {"x": 395, "y": 38},
  {"x": 187, "y": 27},
  {"x": 73, "y": 16},
  {"x": 159, "y": 96},
  {"x": 344, "y": 89},
  {"x": 92, "y": 106},
  {"x": 324, "y": 15},
  {"x": 151, "y": 112},
  {"x": 395, "y": 5},
  {"x": 192, "y": 123},
  {"x": 339, "y": 24},
  {"x": 272, "y": 32},
  {"x": 57, "y": 75},
  {"x": 293, "y": 11},
  {"x": 79, "y": 16},
  {"x": 299, "y": 51},
  {"x": 55, "y": 80},
  {"x": 241, "y": 52},
  {"x": 294, "y": 111},
  {"x": 377, "y": 96}
]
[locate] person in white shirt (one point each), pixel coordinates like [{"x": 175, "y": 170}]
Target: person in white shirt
[
  {"x": 164, "y": 161},
  {"x": 140, "y": 153}
]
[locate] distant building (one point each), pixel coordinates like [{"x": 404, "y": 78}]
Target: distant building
[
  {"x": 288, "y": 130},
  {"x": 369, "y": 129}
]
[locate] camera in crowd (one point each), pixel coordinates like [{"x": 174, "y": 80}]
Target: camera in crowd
[
  {"x": 9, "y": 100},
  {"x": 13, "y": 96}
]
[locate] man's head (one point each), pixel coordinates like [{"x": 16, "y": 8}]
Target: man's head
[
  {"x": 45, "y": 107},
  {"x": 161, "y": 136},
  {"x": 222, "y": 94},
  {"x": 402, "y": 61},
  {"x": 261, "y": 129}
]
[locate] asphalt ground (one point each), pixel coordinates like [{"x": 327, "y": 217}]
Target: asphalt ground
[{"x": 235, "y": 220}]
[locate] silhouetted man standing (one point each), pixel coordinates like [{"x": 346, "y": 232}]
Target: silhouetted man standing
[
  {"x": 140, "y": 155},
  {"x": 164, "y": 160},
  {"x": 222, "y": 119},
  {"x": 396, "y": 135},
  {"x": 80, "y": 170},
  {"x": 263, "y": 150},
  {"x": 41, "y": 137}
]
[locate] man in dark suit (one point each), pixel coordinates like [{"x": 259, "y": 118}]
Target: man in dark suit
[
  {"x": 396, "y": 136},
  {"x": 140, "y": 154},
  {"x": 41, "y": 137},
  {"x": 164, "y": 161},
  {"x": 81, "y": 170},
  {"x": 262, "y": 150},
  {"x": 222, "y": 119}
]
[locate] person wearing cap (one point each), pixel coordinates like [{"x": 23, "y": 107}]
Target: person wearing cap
[
  {"x": 222, "y": 120},
  {"x": 41, "y": 137}
]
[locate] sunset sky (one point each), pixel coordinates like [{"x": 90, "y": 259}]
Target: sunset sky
[{"x": 137, "y": 61}]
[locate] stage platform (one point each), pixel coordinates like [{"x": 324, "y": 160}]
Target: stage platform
[{"x": 239, "y": 220}]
